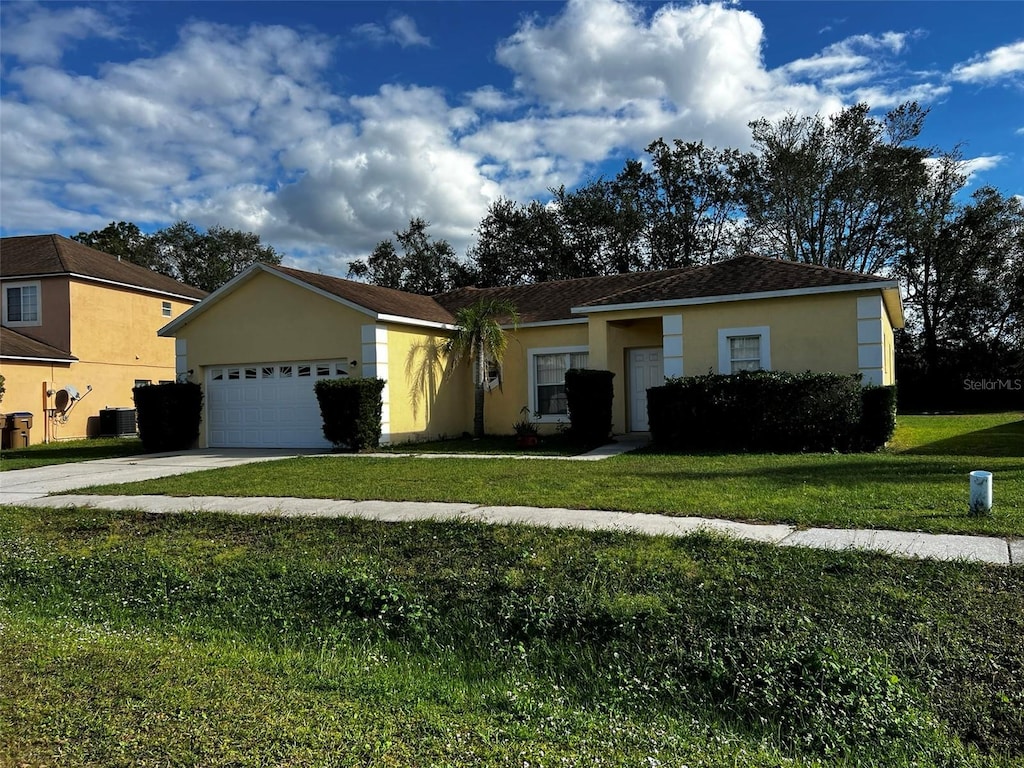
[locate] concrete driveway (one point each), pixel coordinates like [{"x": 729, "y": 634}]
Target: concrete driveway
[{"x": 23, "y": 485}]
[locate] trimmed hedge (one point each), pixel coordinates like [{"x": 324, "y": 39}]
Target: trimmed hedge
[
  {"x": 351, "y": 410},
  {"x": 768, "y": 411},
  {"x": 168, "y": 415},
  {"x": 878, "y": 417},
  {"x": 588, "y": 394}
]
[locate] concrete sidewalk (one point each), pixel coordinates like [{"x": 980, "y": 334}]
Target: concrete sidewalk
[
  {"x": 980, "y": 549},
  {"x": 33, "y": 487}
]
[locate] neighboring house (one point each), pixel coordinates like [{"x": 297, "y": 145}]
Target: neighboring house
[
  {"x": 259, "y": 343},
  {"x": 75, "y": 317}
]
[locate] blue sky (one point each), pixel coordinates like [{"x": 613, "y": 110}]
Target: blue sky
[{"x": 325, "y": 126}]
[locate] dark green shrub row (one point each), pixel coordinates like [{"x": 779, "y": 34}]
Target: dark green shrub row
[
  {"x": 351, "y": 410},
  {"x": 168, "y": 415},
  {"x": 770, "y": 411},
  {"x": 588, "y": 394}
]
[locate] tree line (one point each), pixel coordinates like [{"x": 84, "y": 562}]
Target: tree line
[{"x": 850, "y": 191}]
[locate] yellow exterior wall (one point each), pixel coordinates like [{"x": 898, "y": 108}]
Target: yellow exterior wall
[
  {"x": 888, "y": 351},
  {"x": 502, "y": 407},
  {"x": 428, "y": 398},
  {"x": 268, "y": 319},
  {"x": 113, "y": 333}
]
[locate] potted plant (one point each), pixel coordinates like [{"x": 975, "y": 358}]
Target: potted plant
[{"x": 525, "y": 430}]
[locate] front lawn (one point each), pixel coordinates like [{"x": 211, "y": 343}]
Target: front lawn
[
  {"x": 69, "y": 451},
  {"x": 920, "y": 484},
  {"x": 133, "y": 639}
]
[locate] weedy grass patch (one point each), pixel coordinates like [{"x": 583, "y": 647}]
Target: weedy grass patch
[{"x": 133, "y": 639}]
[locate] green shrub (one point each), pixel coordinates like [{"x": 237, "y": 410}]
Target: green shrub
[
  {"x": 351, "y": 410},
  {"x": 168, "y": 415},
  {"x": 763, "y": 411},
  {"x": 878, "y": 417},
  {"x": 588, "y": 394}
]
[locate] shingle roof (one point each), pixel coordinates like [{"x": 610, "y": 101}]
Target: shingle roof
[
  {"x": 14, "y": 344},
  {"x": 740, "y": 275},
  {"x": 385, "y": 301},
  {"x": 542, "y": 302},
  {"x": 39, "y": 255},
  {"x": 548, "y": 302}
]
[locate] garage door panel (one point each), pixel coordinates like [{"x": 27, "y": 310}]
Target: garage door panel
[{"x": 265, "y": 405}]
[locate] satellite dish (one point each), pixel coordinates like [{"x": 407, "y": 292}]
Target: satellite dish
[{"x": 65, "y": 398}]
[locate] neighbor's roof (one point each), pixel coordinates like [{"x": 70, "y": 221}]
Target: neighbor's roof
[
  {"x": 15, "y": 345},
  {"x": 43, "y": 255}
]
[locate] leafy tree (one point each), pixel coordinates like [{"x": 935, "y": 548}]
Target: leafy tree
[
  {"x": 424, "y": 266},
  {"x": 518, "y": 244},
  {"x": 963, "y": 273},
  {"x": 205, "y": 260},
  {"x": 692, "y": 202},
  {"x": 209, "y": 259},
  {"x": 126, "y": 241},
  {"x": 480, "y": 338},
  {"x": 833, "y": 191}
]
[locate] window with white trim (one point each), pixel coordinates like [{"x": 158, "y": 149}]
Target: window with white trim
[
  {"x": 744, "y": 349},
  {"x": 165, "y": 308},
  {"x": 547, "y": 369},
  {"x": 21, "y": 304}
]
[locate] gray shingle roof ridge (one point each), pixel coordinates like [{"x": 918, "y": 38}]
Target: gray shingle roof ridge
[{"x": 807, "y": 265}]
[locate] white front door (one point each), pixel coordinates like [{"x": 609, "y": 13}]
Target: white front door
[
  {"x": 646, "y": 370},
  {"x": 267, "y": 404}
]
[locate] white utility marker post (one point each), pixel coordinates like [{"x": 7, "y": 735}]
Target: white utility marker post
[{"x": 981, "y": 492}]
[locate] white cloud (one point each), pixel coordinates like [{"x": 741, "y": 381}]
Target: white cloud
[
  {"x": 36, "y": 34},
  {"x": 999, "y": 63},
  {"x": 240, "y": 126},
  {"x": 401, "y": 30}
]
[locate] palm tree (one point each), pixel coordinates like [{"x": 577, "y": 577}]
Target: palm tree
[{"x": 479, "y": 337}]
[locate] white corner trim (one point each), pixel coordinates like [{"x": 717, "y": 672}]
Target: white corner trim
[
  {"x": 375, "y": 365},
  {"x": 724, "y": 356}
]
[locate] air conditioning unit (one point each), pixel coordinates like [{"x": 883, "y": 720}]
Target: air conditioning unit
[{"x": 117, "y": 422}]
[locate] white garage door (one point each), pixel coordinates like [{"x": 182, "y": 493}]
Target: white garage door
[{"x": 268, "y": 405}]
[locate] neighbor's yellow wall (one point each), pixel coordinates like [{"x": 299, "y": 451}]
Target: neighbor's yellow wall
[
  {"x": 113, "y": 333},
  {"x": 427, "y": 398}
]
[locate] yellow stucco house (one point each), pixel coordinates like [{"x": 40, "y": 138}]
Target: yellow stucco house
[
  {"x": 258, "y": 344},
  {"x": 78, "y": 331}
]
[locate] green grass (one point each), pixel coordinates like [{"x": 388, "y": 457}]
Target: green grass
[
  {"x": 137, "y": 640},
  {"x": 68, "y": 451},
  {"x": 921, "y": 484},
  {"x": 549, "y": 445}
]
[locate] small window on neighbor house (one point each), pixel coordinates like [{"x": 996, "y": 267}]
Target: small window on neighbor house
[
  {"x": 323, "y": 370},
  {"x": 217, "y": 374},
  {"x": 304, "y": 370},
  {"x": 250, "y": 373},
  {"x": 21, "y": 304},
  {"x": 234, "y": 374},
  {"x": 744, "y": 353},
  {"x": 268, "y": 371},
  {"x": 165, "y": 308},
  {"x": 340, "y": 369},
  {"x": 166, "y": 381},
  {"x": 286, "y": 371},
  {"x": 143, "y": 382}
]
